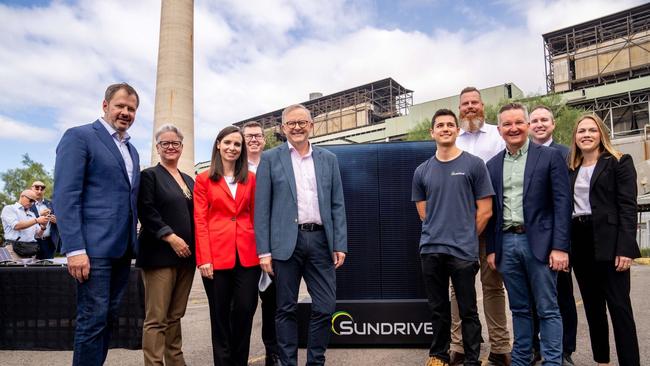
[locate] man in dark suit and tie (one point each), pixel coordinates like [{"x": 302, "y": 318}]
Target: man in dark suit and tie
[
  {"x": 48, "y": 243},
  {"x": 96, "y": 181},
  {"x": 528, "y": 235},
  {"x": 300, "y": 230},
  {"x": 542, "y": 125}
]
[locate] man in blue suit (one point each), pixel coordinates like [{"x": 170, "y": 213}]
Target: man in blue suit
[
  {"x": 542, "y": 125},
  {"x": 528, "y": 236},
  {"x": 300, "y": 230},
  {"x": 96, "y": 180},
  {"x": 48, "y": 243}
]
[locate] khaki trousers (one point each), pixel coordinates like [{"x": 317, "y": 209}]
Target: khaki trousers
[
  {"x": 494, "y": 307},
  {"x": 166, "y": 291}
]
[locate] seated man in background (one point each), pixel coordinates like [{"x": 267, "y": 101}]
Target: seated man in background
[{"x": 21, "y": 227}]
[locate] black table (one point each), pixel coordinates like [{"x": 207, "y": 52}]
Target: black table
[{"x": 38, "y": 309}]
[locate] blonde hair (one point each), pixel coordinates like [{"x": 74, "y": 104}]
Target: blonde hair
[{"x": 575, "y": 155}]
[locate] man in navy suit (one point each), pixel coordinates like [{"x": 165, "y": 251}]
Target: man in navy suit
[
  {"x": 528, "y": 236},
  {"x": 300, "y": 231},
  {"x": 96, "y": 180},
  {"x": 542, "y": 125},
  {"x": 48, "y": 243}
]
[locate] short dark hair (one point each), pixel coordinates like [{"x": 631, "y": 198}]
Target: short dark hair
[
  {"x": 443, "y": 112},
  {"x": 251, "y": 124},
  {"x": 241, "y": 165},
  {"x": 542, "y": 106},
  {"x": 114, "y": 88},
  {"x": 513, "y": 106},
  {"x": 469, "y": 89}
]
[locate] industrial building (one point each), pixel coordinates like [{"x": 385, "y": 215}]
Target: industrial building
[{"x": 380, "y": 111}]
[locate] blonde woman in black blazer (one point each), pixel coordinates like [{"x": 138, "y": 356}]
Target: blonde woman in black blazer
[{"x": 603, "y": 238}]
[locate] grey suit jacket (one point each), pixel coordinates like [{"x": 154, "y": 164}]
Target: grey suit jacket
[{"x": 276, "y": 207}]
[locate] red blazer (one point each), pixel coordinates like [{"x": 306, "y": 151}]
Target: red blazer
[{"x": 223, "y": 224}]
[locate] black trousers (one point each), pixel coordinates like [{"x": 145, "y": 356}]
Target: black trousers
[
  {"x": 232, "y": 307},
  {"x": 269, "y": 307},
  {"x": 567, "y": 304},
  {"x": 437, "y": 269},
  {"x": 603, "y": 288}
]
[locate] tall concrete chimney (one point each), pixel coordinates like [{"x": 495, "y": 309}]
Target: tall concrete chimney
[{"x": 175, "y": 78}]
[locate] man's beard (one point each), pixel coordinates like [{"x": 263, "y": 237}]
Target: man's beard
[{"x": 472, "y": 121}]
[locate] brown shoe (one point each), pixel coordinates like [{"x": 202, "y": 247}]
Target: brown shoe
[
  {"x": 456, "y": 358},
  {"x": 499, "y": 359},
  {"x": 435, "y": 361}
]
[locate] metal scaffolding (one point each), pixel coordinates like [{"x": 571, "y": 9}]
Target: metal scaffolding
[
  {"x": 352, "y": 108},
  {"x": 609, "y": 49}
]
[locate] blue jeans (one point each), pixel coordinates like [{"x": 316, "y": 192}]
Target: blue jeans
[
  {"x": 98, "y": 300},
  {"x": 525, "y": 276}
]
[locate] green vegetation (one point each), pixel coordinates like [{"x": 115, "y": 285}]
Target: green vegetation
[
  {"x": 420, "y": 132},
  {"x": 271, "y": 140}
]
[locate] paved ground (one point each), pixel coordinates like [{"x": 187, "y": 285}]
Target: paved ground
[{"x": 196, "y": 336}]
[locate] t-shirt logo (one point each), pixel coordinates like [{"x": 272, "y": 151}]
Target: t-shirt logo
[{"x": 457, "y": 173}]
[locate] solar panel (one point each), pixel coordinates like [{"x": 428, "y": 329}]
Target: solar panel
[
  {"x": 5, "y": 256},
  {"x": 383, "y": 224}
]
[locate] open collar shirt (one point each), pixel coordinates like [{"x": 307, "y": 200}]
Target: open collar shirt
[
  {"x": 306, "y": 187},
  {"x": 12, "y": 215}
]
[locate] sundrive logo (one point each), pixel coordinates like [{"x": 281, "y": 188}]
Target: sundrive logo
[{"x": 343, "y": 324}]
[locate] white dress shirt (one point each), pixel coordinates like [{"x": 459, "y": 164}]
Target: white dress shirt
[
  {"x": 11, "y": 216},
  {"x": 40, "y": 206},
  {"x": 484, "y": 143},
  {"x": 306, "y": 187}
]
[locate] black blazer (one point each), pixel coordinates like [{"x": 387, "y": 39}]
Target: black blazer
[
  {"x": 612, "y": 196},
  {"x": 162, "y": 210}
]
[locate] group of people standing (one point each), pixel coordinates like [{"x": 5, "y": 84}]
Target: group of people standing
[
  {"x": 295, "y": 203},
  {"x": 524, "y": 210}
]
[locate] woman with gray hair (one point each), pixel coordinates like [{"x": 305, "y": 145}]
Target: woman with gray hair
[{"x": 166, "y": 255}]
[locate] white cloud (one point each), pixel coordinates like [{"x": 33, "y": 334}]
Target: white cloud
[
  {"x": 253, "y": 57},
  {"x": 14, "y": 130}
]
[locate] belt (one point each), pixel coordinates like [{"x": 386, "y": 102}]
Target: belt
[
  {"x": 519, "y": 229},
  {"x": 584, "y": 219},
  {"x": 310, "y": 227}
]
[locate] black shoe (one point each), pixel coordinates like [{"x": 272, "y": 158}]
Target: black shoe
[
  {"x": 499, "y": 359},
  {"x": 567, "y": 360},
  {"x": 456, "y": 358},
  {"x": 272, "y": 360}
]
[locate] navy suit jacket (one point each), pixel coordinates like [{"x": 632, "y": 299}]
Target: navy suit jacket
[
  {"x": 276, "y": 207},
  {"x": 547, "y": 202},
  {"x": 563, "y": 149},
  {"x": 95, "y": 204}
]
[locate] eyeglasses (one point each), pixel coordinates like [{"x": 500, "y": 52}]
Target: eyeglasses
[
  {"x": 292, "y": 124},
  {"x": 31, "y": 200},
  {"x": 173, "y": 144},
  {"x": 255, "y": 136},
  {"x": 38, "y": 187}
]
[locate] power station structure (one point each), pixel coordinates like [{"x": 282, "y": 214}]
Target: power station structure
[
  {"x": 603, "y": 66},
  {"x": 175, "y": 77}
]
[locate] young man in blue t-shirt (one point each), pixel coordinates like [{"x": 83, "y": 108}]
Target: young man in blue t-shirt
[{"x": 453, "y": 196}]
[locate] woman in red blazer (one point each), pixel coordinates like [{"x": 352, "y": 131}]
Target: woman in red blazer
[{"x": 225, "y": 246}]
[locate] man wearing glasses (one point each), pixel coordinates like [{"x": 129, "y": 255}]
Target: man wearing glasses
[
  {"x": 255, "y": 142},
  {"x": 301, "y": 232},
  {"x": 21, "y": 227},
  {"x": 43, "y": 207}
]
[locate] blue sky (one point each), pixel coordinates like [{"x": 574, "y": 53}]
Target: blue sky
[{"x": 255, "y": 56}]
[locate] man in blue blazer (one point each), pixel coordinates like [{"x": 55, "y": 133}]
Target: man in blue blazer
[
  {"x": 300, "y": 231},
  {"x": 96, "y": 180},
  {"x": 542, "y": 125},
  {"x": 528, "y": 235}
]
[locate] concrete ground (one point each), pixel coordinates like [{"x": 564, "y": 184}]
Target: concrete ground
[{"x": 198, "y": 351}]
